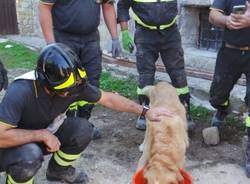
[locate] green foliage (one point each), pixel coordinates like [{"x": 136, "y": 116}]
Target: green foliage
[
  {"x": 125, "y": 87},
  {"x": 17, "y": 56},
  {"x": 235, "y": 121},
  {"x": 200, "y": 113}
]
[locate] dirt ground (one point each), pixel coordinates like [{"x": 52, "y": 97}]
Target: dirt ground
[{"x": 113, "y": 159}]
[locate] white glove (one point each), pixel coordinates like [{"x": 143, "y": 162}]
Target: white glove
[{"x": 57, "y": 122}]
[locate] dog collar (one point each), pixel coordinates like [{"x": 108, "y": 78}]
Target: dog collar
[{"x": 144, "y": 110}]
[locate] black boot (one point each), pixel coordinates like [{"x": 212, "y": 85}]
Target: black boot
[
  {"x": 190, "y": 122},
  {"x": 67, "y": 174},
  {"x": 218, "y": 118},
  {"x": 141, "y": 121}
]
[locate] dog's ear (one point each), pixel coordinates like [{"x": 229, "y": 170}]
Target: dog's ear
[{"x": 147, "y": 90}]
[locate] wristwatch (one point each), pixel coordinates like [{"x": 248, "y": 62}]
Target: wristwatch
[{"x": 144, "y": 110}]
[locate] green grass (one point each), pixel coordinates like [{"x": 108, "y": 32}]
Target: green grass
[
  {"x": 125, "y": 87},
  {"x": 200, "y": 113},
  {"x": 17, "y": 56}
]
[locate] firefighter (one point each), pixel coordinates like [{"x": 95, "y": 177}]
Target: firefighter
[
  {"x": 75, "y": 23},
  {"x": 33, "y": 121},
  {"x": 156, "y": 33},
  {"x": 232, "y": 60}
]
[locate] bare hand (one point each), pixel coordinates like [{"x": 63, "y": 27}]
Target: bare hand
[
  {"x": 156, "y": 113},
  {"x": 51, "y": 141},
  {"x": 241, "y": 21}
]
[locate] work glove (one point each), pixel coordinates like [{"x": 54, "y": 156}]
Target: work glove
[
  {"x": 116, "y": 48},
  {"x": 57, "y": 122},
  {"x": 3, "y": 77},
  {"x": 127, "y": 42}
]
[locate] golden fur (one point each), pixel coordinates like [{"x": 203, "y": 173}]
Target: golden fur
[{"x": 166, "y": 141}]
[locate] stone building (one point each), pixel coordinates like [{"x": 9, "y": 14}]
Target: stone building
[{"x": 27, "y": 16}]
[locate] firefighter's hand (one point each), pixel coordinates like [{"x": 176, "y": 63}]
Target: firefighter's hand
[
  {"x": 51, "y": 141},
  {"x": 116, "y": 48},
  {"x": 241, "y": 21},
  {"x": 3, "y": 77},
  {"x": 127, "y": 42},
  {"x": 156, "y": 114}
]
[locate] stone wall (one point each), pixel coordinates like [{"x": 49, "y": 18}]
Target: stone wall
[
  {"x": 188, "y": 23},
  {"x": 27, "y": 17}
]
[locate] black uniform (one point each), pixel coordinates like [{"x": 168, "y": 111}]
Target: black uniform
[
  {"x": 231, "y": 62},
  {"x": 75, "y": 24},
  {"x": 156, "y": 33},
  {"x": 27, "y": 106}
]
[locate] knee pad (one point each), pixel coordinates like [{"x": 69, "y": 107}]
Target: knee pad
[
  {"x": 24, "y": 171},
  {"x": 83, "y": 135},
  {"x": 80, "y": 133},
  {"x": 26, "y": 165}
]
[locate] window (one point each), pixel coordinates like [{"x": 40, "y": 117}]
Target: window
[{"x": 210, "y": 37}]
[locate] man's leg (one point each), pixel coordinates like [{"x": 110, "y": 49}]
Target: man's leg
[
  {"x": 88, "y": 49},
  {"x": 173, "y": 60},
  {"x": 91, "y": 58},
  {"x": 227, "y": 72},
  {"x": 246, "y": 69},
  {"x": 74, "y": 135},
  {"x": 21, "y": 163},
  {"x": 146, "y": 56}
]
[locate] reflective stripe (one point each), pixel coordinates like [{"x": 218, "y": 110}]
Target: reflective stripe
[
  {"x": 46, "y": 3},
  {"x": 11, "y": 181},
  {"x": 69, "y": 82},
  {"x": 182, "y": 91},
  {"x": 152, "y": 1},
  {"x": 211, "y": 8},
  {"x": 82, "y": 103},
  {"x": 140, "y": 91},
  {"x": 82, "y": 73},
  {"x": 6, "y": 124},
  {"x": 73, "y": 106},
  {"x": 68, "y": 156},
  {"x": 139, "y": 21},
  {"x": 247, "y": 122},
  {"x": 62, "y": 162},
  {"x": 225, "y": 103}
]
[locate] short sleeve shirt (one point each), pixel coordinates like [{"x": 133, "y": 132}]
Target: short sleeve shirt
[
  {"x": 239, "y": 37},
  {"x": 26, "y": 105},
  {"x": 75, "y": 16}
]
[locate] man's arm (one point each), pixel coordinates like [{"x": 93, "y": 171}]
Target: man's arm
[
  {"x": 109, "y": 15},
  {"x": 216, "y": 17},
  {"x": 110, "y": 19},
  {"x": 11, "y": 136},
  {"x": 45, "y": 18},
  {"x": 122, "y": 104}
]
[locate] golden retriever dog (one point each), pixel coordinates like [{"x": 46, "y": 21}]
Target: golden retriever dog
[{"x": 165, "y": 142}]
